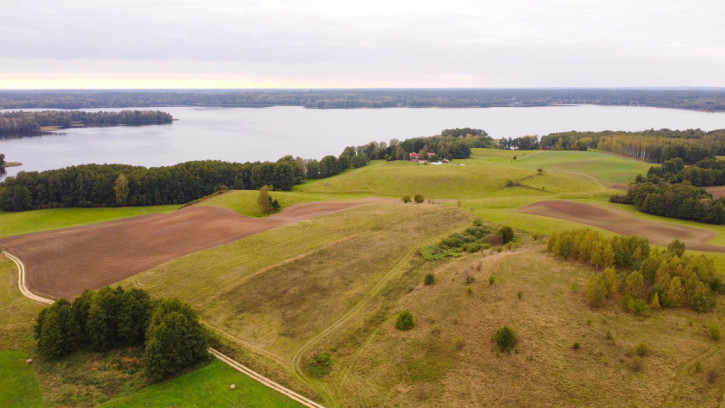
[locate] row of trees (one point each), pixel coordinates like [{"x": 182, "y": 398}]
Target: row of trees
[
  {"x": 699, "y": 99},
  {"x": 679, "y": 200},
  {"x": 645, "y": 277},
  {"x": 97, "y": 185},
  {"x": 21, "y": 123},
  {"x": 168, "y": 329},
  {"x": 706, "y": 172},
  {"x": 2, "y": 160}
]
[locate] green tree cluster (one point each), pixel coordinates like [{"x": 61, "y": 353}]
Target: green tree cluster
[
  {"x": 647, "y": 278},
  {"x": 680, "y": 200},
  {"x": 113, "y": 317}
]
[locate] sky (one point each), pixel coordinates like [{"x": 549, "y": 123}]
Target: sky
[{"x": 46, "y": 44}]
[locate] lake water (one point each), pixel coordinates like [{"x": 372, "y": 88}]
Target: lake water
[{"x": 248, "y": 134}]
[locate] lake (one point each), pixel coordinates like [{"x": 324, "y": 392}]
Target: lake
[{"x": 251, "y": 134}]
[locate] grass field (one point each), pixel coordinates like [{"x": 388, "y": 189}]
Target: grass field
[
  {"x": 244, "y": 202},
  {"x": 42, "y": 220},
  {"x": 449, "y": 358},
  {"x": 335, "y": 284},
  {"x": 206, "y": 387},
  {"x": 18, "y": 386}
]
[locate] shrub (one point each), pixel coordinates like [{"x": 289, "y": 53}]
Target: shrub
[
  {"x": 642, "y": 350},
  {"x": 469, "y": 279},
  {"x": 429, "y": 279},
  {"x": 714, "y": 332},
  {"x": 698, "y": 366},
  {"x": 655, "y": 303},
  {"x": 506, "y": 338},
  {"x": 406, "y": 198},
  {"x": 320, "y": 365},
  {"x": 520, "y": 294},
  {"x": 459, "y": 343},
  {"x": 419, "y": 198},
  {"x": 404, "y": 320},
  {"x": 634, "y": 284},
  {"x": 576, "y": 345},
  {"x": 494, "y": 239},
  {"x": 410, "y": 288},
  {"x": 507, "y": 234},
  {"x": 676, "y": 248},
  {"x": 596, "y": 291},
  {"x": 491, "y": 280}
]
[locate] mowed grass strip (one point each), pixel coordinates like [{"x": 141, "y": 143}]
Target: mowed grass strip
[
  {"x": 206, "y": 387},
  {"x": 18, "y": 385},
  {"x": 14, "y": 223}
]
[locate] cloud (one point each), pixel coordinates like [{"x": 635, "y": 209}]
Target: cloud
[{"x": 455, "y": 43}]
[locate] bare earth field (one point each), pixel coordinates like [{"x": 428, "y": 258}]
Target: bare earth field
[
  {"x": 716, "y": 191},
  {"x": 620, "y": 222},
  {"x": 63, "y": 263}
]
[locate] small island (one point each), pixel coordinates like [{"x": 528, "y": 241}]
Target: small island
[{"x": 18, "y": 124}]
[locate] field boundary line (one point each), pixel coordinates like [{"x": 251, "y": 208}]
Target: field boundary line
[
  {"x": 222, "y": 357},
  {"x": 21, "y": 281}
]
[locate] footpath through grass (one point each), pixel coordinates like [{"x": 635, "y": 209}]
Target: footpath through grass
[{"x": 206, "y": 387}]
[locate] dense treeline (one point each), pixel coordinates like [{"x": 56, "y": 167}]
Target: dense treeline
[
  {"x": 20, "y": 123},
  {"x": 679, "y": 200},
  {"x": 2, "y": 160},
  {"x": 691, "y": 145},
  {"x": 706, "y": 172},
  {"x": 647, "y": 279},
  {"x": 698, "y": 99},
  {"x": 110, "y": 318},
  {"x": 105, "y": 185},
  {"x": 96, "y": 185}
]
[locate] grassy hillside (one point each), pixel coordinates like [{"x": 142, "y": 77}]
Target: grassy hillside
[
  {"x": 274, "y": 292},
  {"x": 245, "y": 201},
  {"x": 449, "y": 358},
  {"x": 13, "y": 223}
]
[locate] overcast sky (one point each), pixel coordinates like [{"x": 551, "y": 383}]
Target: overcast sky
[{"x": 358, "y": 44}]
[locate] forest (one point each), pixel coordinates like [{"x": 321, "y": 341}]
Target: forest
[
  {"x": 657, "y": 146},
  {"x": 706, "y": 99},
  {"x": 107, "y": 185},
  {"x": 678, "y": 200},
  {"x": 22, "y": 123},
  {"x": 647, "y": 279}
]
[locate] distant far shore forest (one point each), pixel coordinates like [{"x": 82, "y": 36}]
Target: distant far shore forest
[
  {"x": 21, "y": 124},
  {"x": 705, "y": 99}
]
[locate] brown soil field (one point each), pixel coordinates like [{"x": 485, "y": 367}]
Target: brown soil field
[
  {"x": 612, "y": 219},
  {"x": 716, "y": 191},
  {"x": 63, "y": 263}
]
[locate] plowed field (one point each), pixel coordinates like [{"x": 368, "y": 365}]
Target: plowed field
[{"x": 62, "y": 263}]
